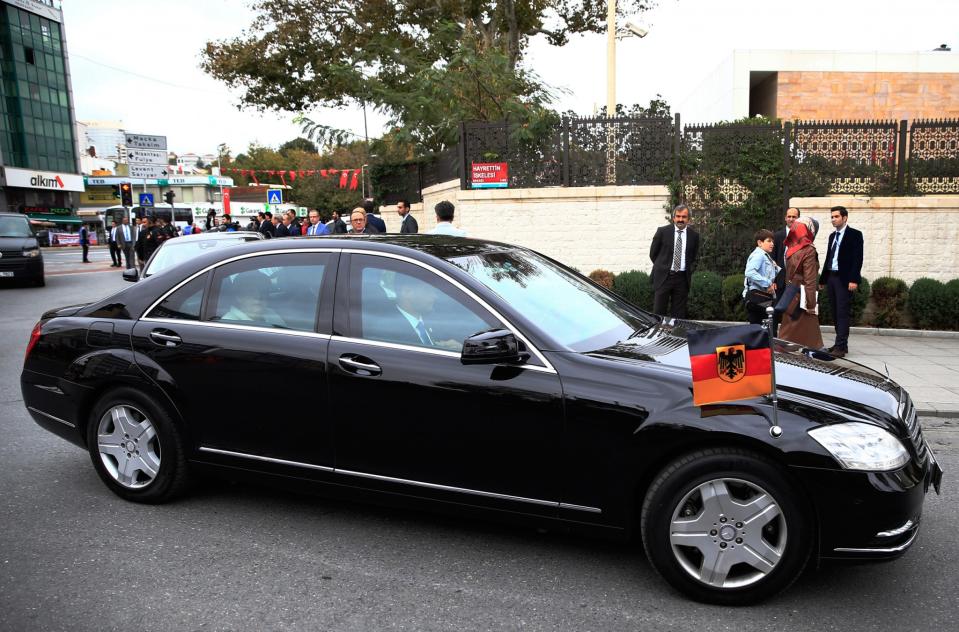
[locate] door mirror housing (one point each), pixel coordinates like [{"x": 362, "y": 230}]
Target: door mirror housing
[
  {"x": 131, "y": 275},
  {"x": 495, "y": 346}
]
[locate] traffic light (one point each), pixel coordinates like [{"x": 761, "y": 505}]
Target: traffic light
[
  {"x": 126, "y": 194},
  {"x": 168, "y": 196}
]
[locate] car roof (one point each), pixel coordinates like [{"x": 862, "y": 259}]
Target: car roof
[{"x": 236, "y": 234}]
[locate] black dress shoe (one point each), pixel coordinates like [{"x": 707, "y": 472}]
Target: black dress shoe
[{"x": 839, "y": 353}]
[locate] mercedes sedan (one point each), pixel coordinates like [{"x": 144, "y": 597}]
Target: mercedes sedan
[{"x": 479, "y": 377}]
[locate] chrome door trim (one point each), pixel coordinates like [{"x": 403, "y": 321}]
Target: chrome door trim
[
  {"x": 40, "y": 412},
  {"x": 406, "y": 481},
  {"x": 256, "y": 457},
  {"x": 204, "y": 323}
]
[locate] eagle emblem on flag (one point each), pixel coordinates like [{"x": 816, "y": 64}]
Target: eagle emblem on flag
[{"x": 731, "y": 363}]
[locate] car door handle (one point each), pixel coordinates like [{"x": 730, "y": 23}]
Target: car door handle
[
  {"x": 350, "y": 363},
  {"x": 165, "y": 338}
]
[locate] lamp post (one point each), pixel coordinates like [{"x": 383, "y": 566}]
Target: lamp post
[
  {"x": 219, "y": 177},
  {"x": 610, "y": 91}
]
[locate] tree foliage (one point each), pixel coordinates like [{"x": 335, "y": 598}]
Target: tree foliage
[{"x": 426, "y": 64}]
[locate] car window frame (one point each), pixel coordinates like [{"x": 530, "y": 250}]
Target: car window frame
[
  {"x": 322, "y": 327},
  {"x": 343, "y": 306}
]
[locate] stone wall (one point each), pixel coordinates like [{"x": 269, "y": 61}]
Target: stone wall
[
  {"x": 611, "y": 227},
  {"x": 809, "y": 95}
]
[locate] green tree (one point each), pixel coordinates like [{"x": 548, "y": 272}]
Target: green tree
[{"x": 426, "y": 64}]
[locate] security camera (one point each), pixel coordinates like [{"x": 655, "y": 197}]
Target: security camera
[{"x": 636, "y": 29}]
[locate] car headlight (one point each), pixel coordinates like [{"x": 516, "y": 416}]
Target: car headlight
[
  {"x": 31, "y": 252},
  {"x": 861, "y": 446}
]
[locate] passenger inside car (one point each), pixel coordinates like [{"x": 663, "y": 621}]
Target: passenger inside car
[{"x": 245, "y": 301}]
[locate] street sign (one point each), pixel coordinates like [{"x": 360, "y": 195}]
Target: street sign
[
  {"x": 146, "y": 199},
  {"x": 489, "y": 175},
  {"x": 145, "y": 141},
  {"x": 147, "y": 156},
  {"x": 274, "y": 196},
  {"x": 147, "y": 171}
]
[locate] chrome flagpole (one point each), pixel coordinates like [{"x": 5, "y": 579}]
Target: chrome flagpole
[{"x": 775, "y": 430}]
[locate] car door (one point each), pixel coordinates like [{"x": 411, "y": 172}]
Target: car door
[
  {"x": 242, "y": 349},
  {"x": 410, "y": 413}
]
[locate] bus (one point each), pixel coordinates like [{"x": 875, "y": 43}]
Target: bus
[{"x": 180, "y": 214}]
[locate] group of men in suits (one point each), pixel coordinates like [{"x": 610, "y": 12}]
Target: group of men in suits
[
  {"x": 675, "y": 249},
  {"x": 841, "y": 269}
]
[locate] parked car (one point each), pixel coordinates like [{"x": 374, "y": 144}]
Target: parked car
[
  {"x": 175, "y": 251},
  {"x": 480, "y": 377},
  {"x": 20, "y": 255}
]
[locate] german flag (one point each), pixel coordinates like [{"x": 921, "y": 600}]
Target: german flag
[{"x": 730, "y": 363}]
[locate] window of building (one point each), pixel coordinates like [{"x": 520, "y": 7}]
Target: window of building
[{"x": 28, "y": 55}]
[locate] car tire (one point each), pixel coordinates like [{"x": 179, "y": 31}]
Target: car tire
[
  {"x": 726, "y": 526},
  {"x": 136, "y": 448},
  {"x": 40, "y": 281}
]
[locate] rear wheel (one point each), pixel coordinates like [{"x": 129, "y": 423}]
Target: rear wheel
[
  {"x": 135, "y": 447},
  {"x": 726, "y": 527}
]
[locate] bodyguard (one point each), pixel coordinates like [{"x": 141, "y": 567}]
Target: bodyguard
[
  {"x": 841, "y": 274},
  {"x": 673, "y": 252}
]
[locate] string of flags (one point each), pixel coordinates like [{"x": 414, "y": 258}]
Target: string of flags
[{"x": 345, "y": 177}]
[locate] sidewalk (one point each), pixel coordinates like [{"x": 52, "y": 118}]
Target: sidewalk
[{"x": 927, "y": 367}]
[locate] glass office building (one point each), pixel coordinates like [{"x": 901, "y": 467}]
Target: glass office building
[{"x": 38, "y": 148}]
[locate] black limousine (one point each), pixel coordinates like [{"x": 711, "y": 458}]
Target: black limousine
[{"x": 467, "y": 375}]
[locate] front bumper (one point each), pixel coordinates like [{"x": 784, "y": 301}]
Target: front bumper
[
  {"x": 18, "y": 267},
  {"x": 870, "y": 515}
]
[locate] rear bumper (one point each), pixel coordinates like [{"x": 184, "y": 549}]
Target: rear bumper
[{"x": 51, "y": 407}]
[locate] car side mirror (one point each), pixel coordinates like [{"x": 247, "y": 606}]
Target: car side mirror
[
  {"x": 131, "y": 275},
  {"x": 494, "y": 346}
]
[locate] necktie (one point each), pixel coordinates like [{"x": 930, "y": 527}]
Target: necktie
[
  {"x": 678, "y": 252},
  {"x": 424, "y": 335},
  {"x": 126, "y": 233}
]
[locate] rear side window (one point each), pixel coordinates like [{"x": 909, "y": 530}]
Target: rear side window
[{"x": 183, "y": 304}]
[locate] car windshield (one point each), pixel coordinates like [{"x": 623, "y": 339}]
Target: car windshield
[
  {"x": 176, "y": 251},
  {"x": 15, "y": 227},
  {"x": 575, "y": 313}
]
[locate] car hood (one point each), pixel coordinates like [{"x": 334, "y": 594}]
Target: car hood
[
  {"x": 17, "y": 243},
  {"x": 846, "y": 388}
]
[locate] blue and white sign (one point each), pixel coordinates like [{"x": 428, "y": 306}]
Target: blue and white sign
[
  {"x": 274, "y": 196},
  {"x": 146, "y": 199}
]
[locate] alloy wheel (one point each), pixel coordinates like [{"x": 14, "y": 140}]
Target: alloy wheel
[{"x": 128, "y": 446}]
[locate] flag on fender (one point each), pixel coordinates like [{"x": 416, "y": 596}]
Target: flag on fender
[{"x": 730, "y": 363}]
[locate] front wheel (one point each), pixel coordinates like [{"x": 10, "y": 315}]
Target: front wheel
[
  {"x": 725, "y": 527},
  {"x": 136, "y": 448}
]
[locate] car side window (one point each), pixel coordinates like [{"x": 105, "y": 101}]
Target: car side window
[
  {"x": 184, "y": 303},
  {"x": 275, "y": 291},
  {"x": 395, "y": 301}
]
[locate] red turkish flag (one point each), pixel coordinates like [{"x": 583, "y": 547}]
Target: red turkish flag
[
  {"x": 354, "y": 181},
  {"x": 343, "y": 178},
  {"x": 302, "y": 173},
  {"x": 324, "y": 172},
  {"x": 226, "y": 201},
  {"x": 292, "y": 176},
  {"x": 272, "y": 172}
]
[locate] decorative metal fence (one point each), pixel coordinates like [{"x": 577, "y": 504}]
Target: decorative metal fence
[
  {"x": 858, "y": 157},
  {"x": 933, "y": 157}
]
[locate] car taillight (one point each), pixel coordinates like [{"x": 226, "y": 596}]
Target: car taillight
[{"x": 34, "y": 338}]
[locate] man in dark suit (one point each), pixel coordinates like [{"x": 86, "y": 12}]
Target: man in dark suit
[
  {"x": 372, "y": 219},
  {"x": 125, "y": 239},
  {"x": 673, "y": 252},
  {"x": 112, "y": 244},
  {"x": 358, "y": 222},
  {"x": 408, "y": 223},
  {"x": 779, "y": 248},
  {"x": 841, "y": 274},
  {"x": 266, "y": 225},
  {"x": 85, "y": 242}
]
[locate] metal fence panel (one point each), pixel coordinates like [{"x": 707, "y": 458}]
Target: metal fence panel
[
  {"x": 933, "y": 163},
  {"x": 858, "y": 157}
]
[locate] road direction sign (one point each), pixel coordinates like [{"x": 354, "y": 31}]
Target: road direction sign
[
  {"x": 146, "y": 199},
  {"x": 147, "y": 156},
  {"x": 145, "y": 141},
  {"x": 274, "y": 196},
  {"x": 147, "y": 171}
]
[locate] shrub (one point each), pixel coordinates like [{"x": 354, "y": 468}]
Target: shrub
[
  {"x": 706, "y": 296},
  {"x": 927, "y": 302},
  {"x": 889, "y": 296},
  {"x": 636, "y": 287},
  {"x": 733, "y": 306},
  {"x": 860, "y": 299},
  {"x": 952, "y": 304},
  {"x": 603, "y": 277}
]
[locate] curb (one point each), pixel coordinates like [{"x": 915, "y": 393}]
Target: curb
[
  {"x": 941, "y": 410},
  {"x": 870, "y": 331}
]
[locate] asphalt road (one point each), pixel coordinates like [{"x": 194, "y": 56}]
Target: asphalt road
[{"x": 234, "y": 557}]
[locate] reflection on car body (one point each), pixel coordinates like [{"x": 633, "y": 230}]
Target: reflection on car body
[{"x": 561, "y": 404}]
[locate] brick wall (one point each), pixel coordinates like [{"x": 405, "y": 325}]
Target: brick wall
[
  {"x": 611, "y": 227},
  {"x": 867, "y": 95}
]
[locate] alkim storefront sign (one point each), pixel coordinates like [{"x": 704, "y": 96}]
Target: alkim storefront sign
[{"x": 47, "y": 180}]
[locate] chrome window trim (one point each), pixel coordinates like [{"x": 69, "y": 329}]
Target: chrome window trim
[
  {"x": 204, "y": 323},
  {"x": 546, "y": 368},
  {"x": 63, "y": 421},
  {"x": 406, "y": 481}
]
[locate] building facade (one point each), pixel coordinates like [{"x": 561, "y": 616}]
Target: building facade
[
  {"x": 827, "y": 85},
  {"x": 38, "y": 146}
]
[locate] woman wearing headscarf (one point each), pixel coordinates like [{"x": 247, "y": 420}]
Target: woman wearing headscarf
[{"x": 800, "y": 321}]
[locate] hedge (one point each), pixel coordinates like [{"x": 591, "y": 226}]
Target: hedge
[
  {"x": 603, "y": 277},
  {"x": 860, "y": 299},
  {"x": 928, "y": 303},
  {"x": 636, "y": 287},
  {"x": 706, "y": 296},
  {"x": 733, "y": 306},
  {"x": 889, "y": 297},
  {"x": 952, "y": 304}
]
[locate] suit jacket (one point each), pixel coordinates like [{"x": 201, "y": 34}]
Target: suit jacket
[
  {"x": 409, "y": 225},
  {"x": 266, "y": 228},
  {"x": 121, "y": 241},
  {"x": 661, "y": 252},
  {"x": 283, "y": 231},
  {"x": 376, "y": 222},
  {"x": 338, "y": 227},
  {"x": 850, "y": 257},
  {"x": 779, "y": 256},
  {"x": 84, "y": 236}
]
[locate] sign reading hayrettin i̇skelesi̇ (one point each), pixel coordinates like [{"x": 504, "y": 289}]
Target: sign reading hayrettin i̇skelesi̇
[{"x": 489, "y": 175}]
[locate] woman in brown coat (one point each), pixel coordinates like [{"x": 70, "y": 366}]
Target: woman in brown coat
[{"x": 802, "y": 269}]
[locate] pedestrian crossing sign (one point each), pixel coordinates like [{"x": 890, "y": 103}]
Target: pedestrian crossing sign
[{"x": 274, "y": 196}]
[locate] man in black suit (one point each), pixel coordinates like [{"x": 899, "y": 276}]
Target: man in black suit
[
  {"x": 408, "y": 223},
  {"x": 841, "y": 274},
  {"x": 673, "y": 253},
  {"x": 125, "y": 237},
  {"x": 779, "y": 248},
  {"x": 372, "y": 219},
  {"x": 266, "y": 225}
]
